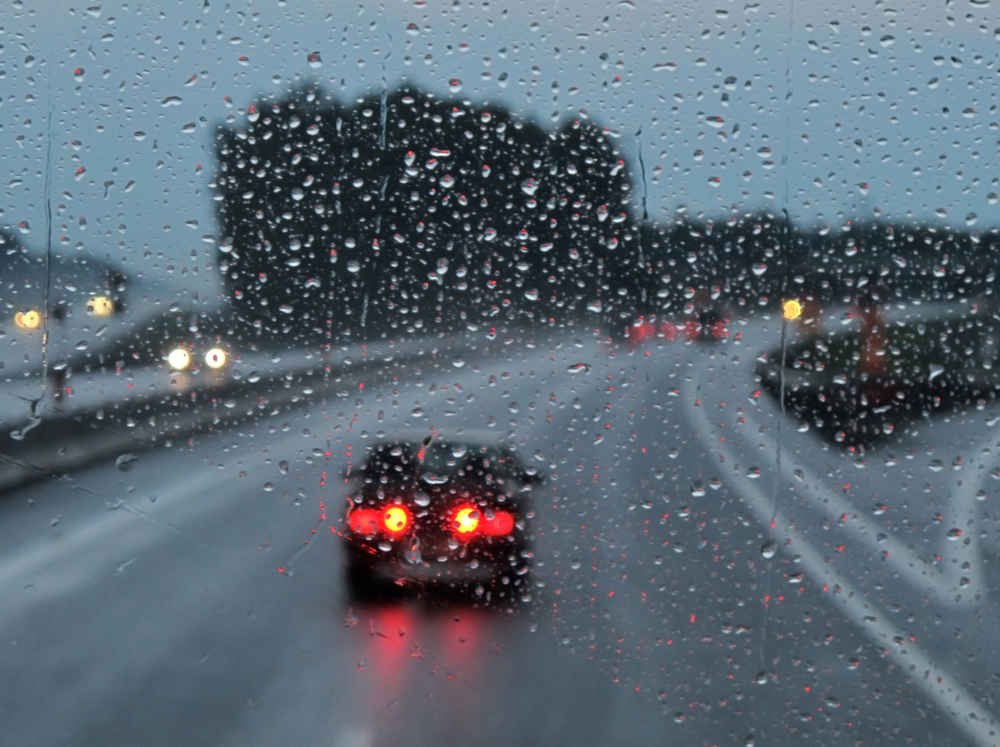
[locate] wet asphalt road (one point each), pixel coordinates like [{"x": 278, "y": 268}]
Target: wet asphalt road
[{"x": 197, "y": 598}]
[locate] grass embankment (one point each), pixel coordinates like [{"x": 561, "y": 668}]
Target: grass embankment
[
  {"x": 951, "y": 349},
  {"x": 931, "y": 366}
]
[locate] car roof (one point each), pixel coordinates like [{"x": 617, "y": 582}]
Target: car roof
[{"x": 465, "y": 436}]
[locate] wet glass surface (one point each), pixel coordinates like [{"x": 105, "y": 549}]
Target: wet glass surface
[{"x": 722, "y": 277}]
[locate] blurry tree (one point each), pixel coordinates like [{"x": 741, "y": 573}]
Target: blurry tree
[
  {"x": 405, "y": 212},
  {"x": 755, "y": 259}
]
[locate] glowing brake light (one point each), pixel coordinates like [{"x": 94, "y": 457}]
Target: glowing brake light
[
  {"x": 499, "y": 523},
  {"x": 364, "y": 521},
  {"x": 395, "y": 519},
  {"x": 466, "y": 520}
]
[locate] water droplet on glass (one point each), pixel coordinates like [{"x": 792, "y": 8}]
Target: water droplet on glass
[
  {"x": 954, "y": 534},
  {"x": 578, "y": 368},
  {"x": 529, "y": 186},
  {"x": 454, "y": 85},
  {"x": 353, "y": 266},
  {"x": 458, "y": 362},
  {"x": 283, "y": 466},
  {"x": 698, "y": 490},
  {"x": 769, "y": 548},
  {"x": 126, "y": 462},
  {"x": 314, "y": 60},
  {"x": 753, "y": 473},
  {"x": 24, "y": 227}
]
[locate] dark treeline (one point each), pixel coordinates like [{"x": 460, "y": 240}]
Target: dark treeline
[
  {"x": 407, "y": 212},
  {"x": 404, "y": 212},
  {"x": 758, "y": 259}
]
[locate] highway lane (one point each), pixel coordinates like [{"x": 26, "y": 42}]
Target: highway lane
[{"x": 180, "y": 602}]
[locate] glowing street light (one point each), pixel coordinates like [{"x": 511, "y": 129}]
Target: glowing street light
[{"x": 792, "y": 309}]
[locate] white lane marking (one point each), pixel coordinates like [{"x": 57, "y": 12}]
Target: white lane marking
[
  {"x": 943, "y": 584},
  {"x": 937, "y": 683}
]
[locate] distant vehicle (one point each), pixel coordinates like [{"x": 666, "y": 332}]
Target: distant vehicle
[
  {"x": 61, "y": 286},
  {"x": 178, "y": 340},
  {"x": 705, "y": 329},
  {"x": 440, "y": 512}
]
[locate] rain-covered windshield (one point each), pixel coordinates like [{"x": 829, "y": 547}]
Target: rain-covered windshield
[{"x": 499, "y": 373}]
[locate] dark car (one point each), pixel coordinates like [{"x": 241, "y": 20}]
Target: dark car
[
  {"x": 440, "y": 512},
  {"x": 707, "y": 328}
]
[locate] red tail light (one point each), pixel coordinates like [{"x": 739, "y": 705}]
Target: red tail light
[
  {"x": 499, "y": 523},
  {"x": 396, "y": 519},
  {"x": 364, "y": 521},
  {"x": 466, "y": 521}
]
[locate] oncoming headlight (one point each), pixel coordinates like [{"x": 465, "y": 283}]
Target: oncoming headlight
[
  {"x": 100, "y": 306},
  {"x": 28, "y": 319},
  {"x": 215, "y": 358},
  {"x": 179, "y": 359}
]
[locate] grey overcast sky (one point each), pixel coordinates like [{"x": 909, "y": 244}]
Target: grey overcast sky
[{"x": 833, "y": 111}]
